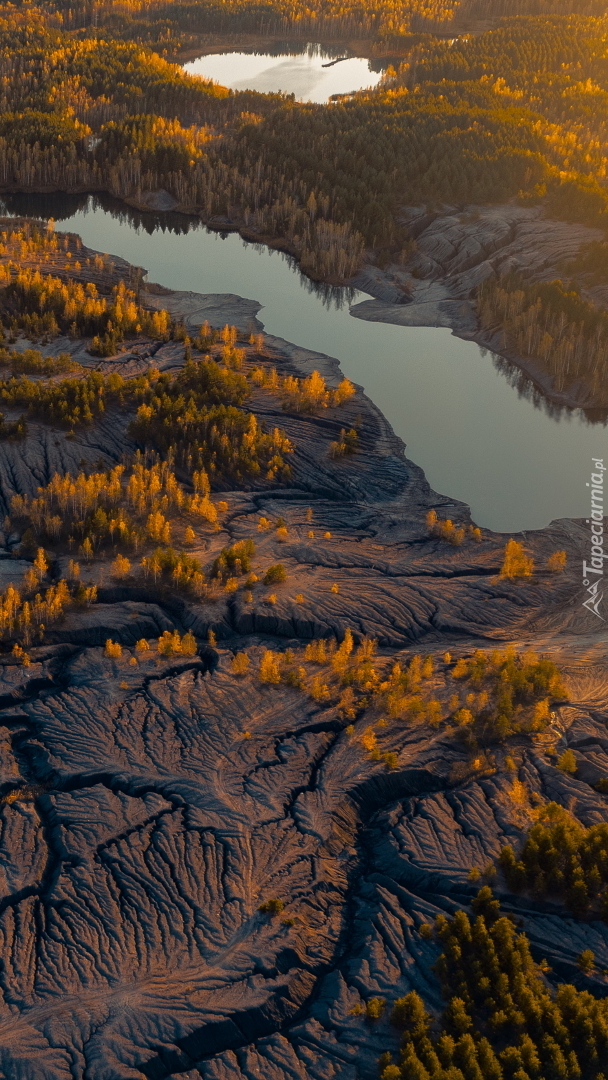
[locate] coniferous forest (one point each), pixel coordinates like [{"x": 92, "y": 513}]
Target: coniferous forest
[{"x": 514, "y": 113}]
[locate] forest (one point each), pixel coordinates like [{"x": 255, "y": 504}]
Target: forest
[
  {"x": 515, "y": 112},
  {"x": 169, "y": 24},
  {"x": 503, "y": 1018},
  {"x": 552, "y": 323},
  {"x": 562, "y": 858}
]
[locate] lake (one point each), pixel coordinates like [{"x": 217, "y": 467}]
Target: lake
[
  {"x": 517, "y": 462},
  {"x": 312, "y": 73}
]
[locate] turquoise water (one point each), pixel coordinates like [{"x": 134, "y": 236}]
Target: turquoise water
[{"x": 516, "y": 462}]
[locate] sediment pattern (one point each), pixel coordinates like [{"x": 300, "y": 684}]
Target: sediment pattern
[{"x": 149, "y": 809}]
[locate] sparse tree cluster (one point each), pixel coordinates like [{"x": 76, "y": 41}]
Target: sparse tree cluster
[
  {"x": 134, "y": 508},
  {"x": 562, "y": 858},
  {"x": 196, "y": 416},
  {"x": 496, "y": 695},
  {"x": 25, "y": 614},
  {"x": 445, "y": 529},
  {"x": 44, "y": 305},
  {"x": 507, "y": 693}
]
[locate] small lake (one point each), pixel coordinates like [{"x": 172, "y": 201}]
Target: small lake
[
  {"x": 312, "y": 74},
  {"x": 516, "y": 461}
]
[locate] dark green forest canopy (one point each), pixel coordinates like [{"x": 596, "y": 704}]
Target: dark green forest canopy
[
  {"x": 516, "y": 112},
  {"x": 385, "y": 23},
  {"x": 504, "y": 1019},
  {"x": 519, "y": 111}
]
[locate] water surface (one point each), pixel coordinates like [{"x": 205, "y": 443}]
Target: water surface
[
  {"x": 312, "y": 75},
  {"x": 516, "y": 461}
]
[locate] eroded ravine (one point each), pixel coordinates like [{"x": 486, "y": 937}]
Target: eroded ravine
[{"x": 150, "y": 808}]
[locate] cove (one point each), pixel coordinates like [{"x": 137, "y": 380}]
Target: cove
[
  {"x": 311, "y": 73},
  {"x": 515, "y": 460}
]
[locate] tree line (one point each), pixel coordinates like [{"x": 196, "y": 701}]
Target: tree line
[
  {"x": 515, "y": 112},
  {"x": 551, "y": 323}
]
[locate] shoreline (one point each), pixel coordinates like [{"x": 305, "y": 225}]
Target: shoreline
[
  {"x": 444, "y": 307},
  {"x": 191, "y": 783}
]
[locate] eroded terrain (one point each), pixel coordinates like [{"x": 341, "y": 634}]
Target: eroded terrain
[{"x": 152, "y": 803}]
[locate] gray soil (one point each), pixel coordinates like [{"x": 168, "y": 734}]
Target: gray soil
[
  {"x": 148, "y": 830},
  {"x": 455, "y": 253}
]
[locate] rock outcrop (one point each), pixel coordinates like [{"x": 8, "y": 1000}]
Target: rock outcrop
[{"x": 455, "y": 253}]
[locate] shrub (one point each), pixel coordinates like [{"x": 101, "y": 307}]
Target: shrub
[
  {"x": 239, "y": 664},
  {"x": 272, "y": 907},
  {"x": 269, "y": 667},
  {"x": 391, "y": 1072},
  {"x": 275, "y": 575},
  {"x": 21, "y": 656},
  {"x": 369, "y": 740},
  {"x": 319, "y": 691},
  {"x": 188, "y": 645},
  {"x": 557, "y": 561},
  {"x": 586, "y": 960},
  {"x": 113, "y": 648},
  {"x": 568, "y": 762},
  {"x": 516, "y": 563},
  {"x": 121, "y": 567},
  {"x": 374, "y": 1008}
]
